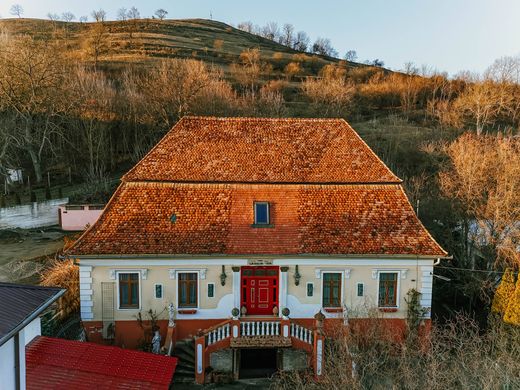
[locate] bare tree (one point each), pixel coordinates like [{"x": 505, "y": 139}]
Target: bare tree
[
  {"x": 133, "y": 13},
  {"x": 271, "y": 31},
  {"x": 68, "y": 16},
  {"x": 161, "y": 13},
  {"x": 31, "y": 86},
  {"x": 351, "y": 56},
  {"x": 99, "y": 15},
  {"x": 122, "y": 14},
  {"x": 83, "y": 19},
  {"x": 323, "y": 46},
  {"x": 287, "y": 37},
  {"x": 301, "y": 41},
  {"x": 246, "y": 26},
  {"x": 54, "y": 17},
  {"x": 16, "y": 10}
]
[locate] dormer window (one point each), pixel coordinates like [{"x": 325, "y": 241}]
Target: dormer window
[{"x": 262, "y": 217}]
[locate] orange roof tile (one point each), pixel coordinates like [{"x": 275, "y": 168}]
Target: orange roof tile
[
  {"x": 216, "y": 219},
  {"x": 262, "y": 150}
]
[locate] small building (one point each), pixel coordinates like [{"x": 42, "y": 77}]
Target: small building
[
  {"x": 78, "y": 217},
  {"x": 246, "y": 229},
  {"x": 20, "y": 309}
]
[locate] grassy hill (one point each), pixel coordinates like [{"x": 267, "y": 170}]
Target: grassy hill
[{"x": 144, "y": 41}]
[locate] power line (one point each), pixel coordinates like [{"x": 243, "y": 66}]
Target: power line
[{"x": 475, "y": 270}]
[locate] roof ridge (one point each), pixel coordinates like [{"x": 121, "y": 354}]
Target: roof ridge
[
  {"x": 274, "y": 119},
  {"x": 28, "y": 286}
]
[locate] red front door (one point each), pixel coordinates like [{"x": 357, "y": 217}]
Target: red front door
[{"x": 259, "y": 289}]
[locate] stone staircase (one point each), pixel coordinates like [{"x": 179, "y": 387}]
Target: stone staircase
[{"x": 185, "y": 352}]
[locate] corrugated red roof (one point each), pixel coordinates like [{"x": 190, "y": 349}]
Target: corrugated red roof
[
  {"x": 262, "y": 150},
  {"x": 65, "y": 364},
  {"x": 216, "y": 219}
]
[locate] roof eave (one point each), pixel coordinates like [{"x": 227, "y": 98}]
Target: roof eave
[{"x": 27, "y": 320}]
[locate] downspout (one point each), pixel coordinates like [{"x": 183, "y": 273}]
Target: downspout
[{"x": 437, "y": 262}]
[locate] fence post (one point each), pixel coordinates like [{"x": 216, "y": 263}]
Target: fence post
[{"x": 200, "y": 361}]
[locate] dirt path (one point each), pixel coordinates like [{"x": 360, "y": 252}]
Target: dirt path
[{"x": 21, "y": 252}]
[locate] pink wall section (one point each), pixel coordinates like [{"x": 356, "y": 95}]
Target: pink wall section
[{"x": 74, "y": 218}]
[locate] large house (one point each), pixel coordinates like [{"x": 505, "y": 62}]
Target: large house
[{"x": 279, "y": 219}]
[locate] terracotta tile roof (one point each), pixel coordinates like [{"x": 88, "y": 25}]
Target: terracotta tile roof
[
  {"x": 216, "y": 219},
  {"x": 261, "y": 150},
  {"x": 65, "y": 364}
]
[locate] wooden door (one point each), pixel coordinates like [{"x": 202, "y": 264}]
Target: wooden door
[{"x": 259, "y": 289}]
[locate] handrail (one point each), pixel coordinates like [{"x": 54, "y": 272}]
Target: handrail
[{"x": 211, "y": 328}]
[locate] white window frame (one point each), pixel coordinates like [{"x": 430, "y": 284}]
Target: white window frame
[
  {"x": 155, "y": 290},
  {"x": 268, "y": 213},
  {"x": 357, "y": 289},
  {"x": 398, "y": 288},
  {"x": 342, "y": 292},
  {"x": 187, "y": 271},
  {"x": 214, "y": 290},
  {"x": 307, "y": 290},
  {"x": 139, "y": 279}
]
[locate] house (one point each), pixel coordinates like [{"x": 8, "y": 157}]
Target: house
[
  {"x": 249, "y": 228},
  {"x": 20, "y": 309}
]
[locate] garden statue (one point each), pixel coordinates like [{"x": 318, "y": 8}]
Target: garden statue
[
  {"x": 156, "y": 343},
  {"x": 345, "y": 315},
  {"x": 171, "y": 315}
]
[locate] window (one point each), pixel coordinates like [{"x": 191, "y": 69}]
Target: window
[
  {"x": 261, "y": 213},
  {"x": 387, "y": 289},
  {"x": 128, "y": 290},
  {"x": 310, "y": 289},
  {"x": 158, "y": 291},
  {"x": 187, "y": 284},
  {"x": 211, "y": 290},
  {"x": 360, "y": 289},
  {"x": 331, "y": 289}
]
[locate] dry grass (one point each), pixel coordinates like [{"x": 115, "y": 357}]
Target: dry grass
[{"x": 457, "y": 356}]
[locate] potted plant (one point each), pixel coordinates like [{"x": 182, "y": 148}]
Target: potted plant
[
  {"x": 285, "y": 313},
  {"x": 235, "y": 313}
]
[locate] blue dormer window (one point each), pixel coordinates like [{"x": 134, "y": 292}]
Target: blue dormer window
[{"x": 261, "y": 210}]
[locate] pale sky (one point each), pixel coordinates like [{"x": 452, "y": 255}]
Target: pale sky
[{"x": 449, "y": 35}]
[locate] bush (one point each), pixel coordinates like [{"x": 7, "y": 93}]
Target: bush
[
  {"x": 48, "y": 195},
  {"x": 33, "y": 196}
]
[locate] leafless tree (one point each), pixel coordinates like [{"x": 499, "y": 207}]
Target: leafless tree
[
  {"x": 271, "y": 31},
  {"x": 68, "y": 16},
  {"x": 32, "y": 88},
  {"x": 287, "y": 37},
  {"x": 301, "y": 41},
  {"x": 323, "y": 46},
  {"x": 161, "y": 13},
  {"x": 133, "y": 13},
  {"x": 351, "y": 56},
  {"x": 16, "y": 10},
  {"x": 122, "y": 14},
  {"x": 246, "y": 26},
  {"x": 54, "y": 17},
  {"x": 99, "y": 15},
  {"x": 83, "y": 19}
]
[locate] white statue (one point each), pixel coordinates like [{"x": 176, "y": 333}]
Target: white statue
[
  {"x": 156, "y": 343},
  {"x": 345, "y": 315},
  {"x": 171, "y": 315}
]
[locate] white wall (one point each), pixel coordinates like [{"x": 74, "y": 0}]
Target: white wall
[{"x": 7, "y": 356}]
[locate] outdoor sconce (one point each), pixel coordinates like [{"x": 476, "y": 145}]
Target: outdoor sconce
[
  {"x": 223, "y": 276},
  {"x": 297, "y": 276}
]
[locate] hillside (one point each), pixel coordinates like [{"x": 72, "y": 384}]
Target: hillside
[{"x": 144, "y": 41}]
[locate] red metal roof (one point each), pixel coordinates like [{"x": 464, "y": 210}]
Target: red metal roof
[{"x": 65, "y": 364}]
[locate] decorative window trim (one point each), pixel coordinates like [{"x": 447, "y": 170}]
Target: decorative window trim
[
  {"x": 199, "y": 273},
  {"x": 262, "y": 224},
  {"x": 139, "y": 278},
  {"x": 342, "y": 287},
  {"x": 345, "y": 271},
  {"x": 398, "y": 288},
  {"x": 155, "y": 291},
  {"x": 143, "y": 272},
  {"x": 174, "y": 271},
  {"x": 403, "y": 272},
  {"x": 307, "y": 290}
]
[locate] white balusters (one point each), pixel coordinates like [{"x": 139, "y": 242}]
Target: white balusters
[{"x": 220, "y": 333}]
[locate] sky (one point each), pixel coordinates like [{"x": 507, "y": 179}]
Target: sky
[{"x": 447, "y": 35}]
